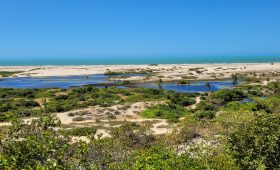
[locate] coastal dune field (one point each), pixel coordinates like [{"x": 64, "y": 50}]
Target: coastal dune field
[
  {"x": 147, "y": 106},
  {"x": 140, "y": 85},
  {"x": 78, "y": 108},
  {"x": 166, "y": 72}
]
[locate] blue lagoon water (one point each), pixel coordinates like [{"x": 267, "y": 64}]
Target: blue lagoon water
[
  {"x": 199, "y": 86},
  {"x": 100, "y": 80},
  {"x": 35, "y": 61},
  {"x": 52, "y": 82}
]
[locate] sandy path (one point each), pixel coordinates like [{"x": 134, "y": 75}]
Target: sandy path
[
  {"x": 102, "y": 133},
  {"x": 161, "y": 128},
  {"x": 197, "y": 101}
]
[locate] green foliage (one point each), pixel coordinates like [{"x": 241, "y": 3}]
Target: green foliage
[
  {"x": 19, "y": 93},
  {"x": 10, "y": 107},
  {"x": 205, "y": 114},
  {"x": 275, "y": 87},
  {"x": 256, "y": 145},
  {"x": 270, "y": 104},
  {"x": 205, "y": 110},
  {"x": 240, "y": 135},
  {"x": 203, "y": 105},
  {"x": 159, "y": 157},
  {"x": 83, "y": 131},
  {"x": 104, "y": 99},
  {"x": 34, "y": 146},
  {"x": 230, "y": 117},
  {"x": 226, "y": 95},
  {"x": 238, "y": 106},
  {"x": 132, "y": 135},
  {"x": 143, "y": 94},
  {"x": 189, "y": 129},
  {"x": 209, "y": 157},
  {"x": 25, "y": 102},
  {"x": 181, "y": 99},
  {"x": 9, "y": 73},
  {"x": 171, "y": 112}
]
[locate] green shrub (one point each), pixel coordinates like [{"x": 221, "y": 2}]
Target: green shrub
[
  {"x": 203, "y": 105},
  {"x": 205, "y": 114},
  {"x": 9, "y": 73},
  {"x": 134, "y": 136},
  {"x": 26, "y": 103},
  {"x": 227, "y": 95},
  {"x": 159, "y": 157},
  {"x": 181, "y": 99},
  {"x": 256, "y": 145},
  {"x": 237, "y": 106},
  {"x": 171, "y": 112},
  {"x": 83, "y": 131}
]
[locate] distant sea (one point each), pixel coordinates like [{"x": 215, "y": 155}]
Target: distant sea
[{"x": 37, "y": 61}]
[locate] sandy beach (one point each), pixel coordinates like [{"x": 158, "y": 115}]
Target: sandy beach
[{"x": 167, "y": 72}]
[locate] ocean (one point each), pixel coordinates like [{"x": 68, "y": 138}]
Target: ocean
[{"x": 36, "y": 61}]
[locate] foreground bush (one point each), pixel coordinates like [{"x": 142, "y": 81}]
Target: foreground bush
[
  {"x": 256, "y": 145},
  {"x": 34, "y": 146}
]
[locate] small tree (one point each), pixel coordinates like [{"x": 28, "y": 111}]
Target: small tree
[
  {"x": 189, "y": 84},
  {"x": 178, "y": 85},
  {"x": 208, "y": 86},
  {"x": 195, "y": 83},
  {"x": 160, "y": 84},
  {"x": 234, "y": 79}
]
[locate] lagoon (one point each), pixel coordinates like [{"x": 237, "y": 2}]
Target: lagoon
[{"x": 100, "y": 80}]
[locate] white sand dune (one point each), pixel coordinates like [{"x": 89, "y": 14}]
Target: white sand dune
[{"x": 165, "y": 71}]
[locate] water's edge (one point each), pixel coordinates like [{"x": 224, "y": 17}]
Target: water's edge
[{"x": 79, "y": 61}]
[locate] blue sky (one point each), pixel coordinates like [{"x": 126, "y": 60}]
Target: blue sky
[{"x": 85, "y": 28}]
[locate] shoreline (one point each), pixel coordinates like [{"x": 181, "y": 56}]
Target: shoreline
[
  {"x": 108, "y": 65},
  {"x": 166, "y": 72}
]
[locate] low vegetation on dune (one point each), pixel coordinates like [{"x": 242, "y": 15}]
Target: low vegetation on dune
[
  {"x": 9, "y": 73},
  {"x": 231, "y": 129},
  {"x": 124, "y": 73},
  {"x": 32, "y": 102},
  {"x": 82, "y": 131}
]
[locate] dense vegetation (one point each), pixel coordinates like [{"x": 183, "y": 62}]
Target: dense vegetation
[
  {"x": 229, "y": 129},
  {"x": 32, "y": 102},
  {"x": 171, "y": 112}
]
